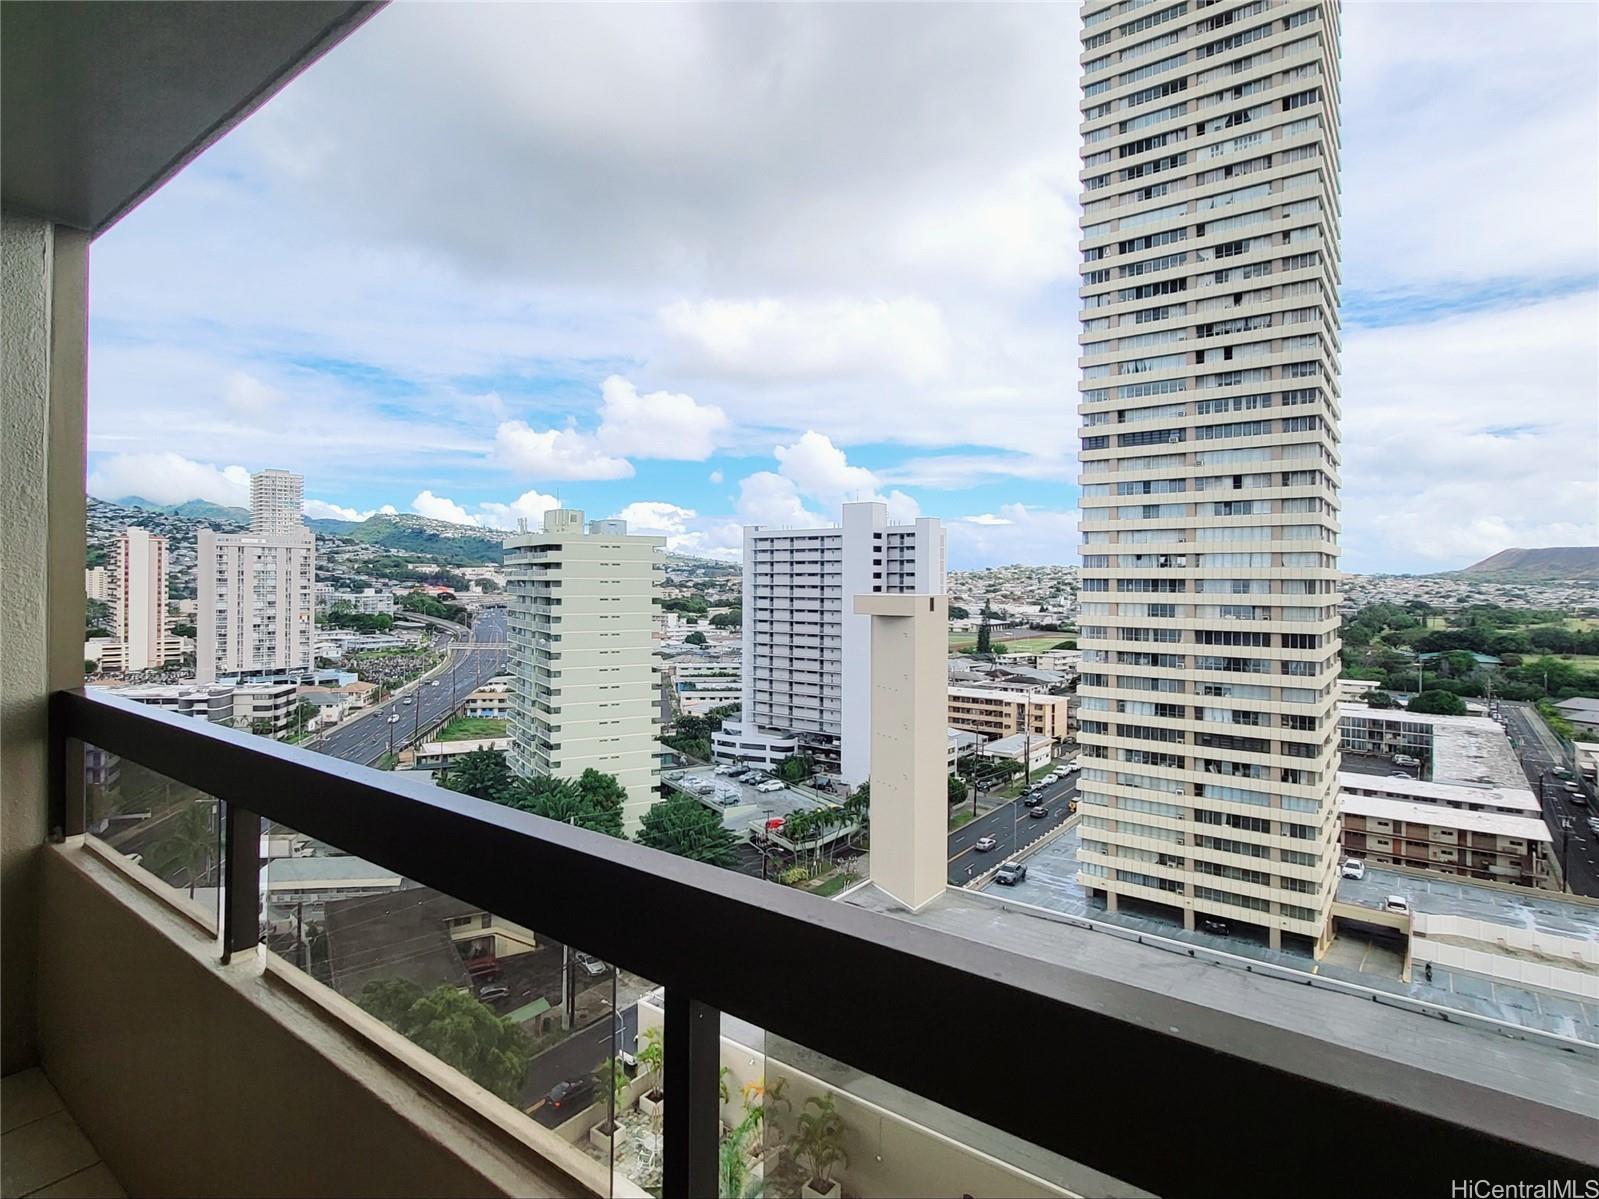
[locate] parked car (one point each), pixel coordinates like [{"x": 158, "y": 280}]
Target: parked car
[
  {"x": 771, "y": 785},
  {"x": 1214, "y": 924},
  {"x": 1570, "y": 786},
  {"x": 1562, "y": 772},
  {"x": 1406, "y": 760},
  {"x": 1400, "y": 774},
  {"x": 1071, "y": 767},
  {"x": 1593, "y": 823},
  {"x": 1039, "y": 812},
  {"x": 1010, "y": 874},
  {"x": 1578, "y": 798},
  {"x": 490, "y": 994},
  {"x": 589, "y": 963},
  {"x": 572, "y": 1092},
  {"x": 1354, "y": 868},
  {"x": 727, "y": 768},
  {"x": 984, "y": 844},
  {"x": 1396, "y": 903}
]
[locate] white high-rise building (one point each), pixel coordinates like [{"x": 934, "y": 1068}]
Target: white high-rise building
[
  {"x": 276, "y": 500},
  {"x": 137, "y": 593},
  {"x": 807, "y": 659},
  {"x": 1210, "y": 459},
  {"x": 586, "y": 689},
  {"x": 256, "y": 613}
]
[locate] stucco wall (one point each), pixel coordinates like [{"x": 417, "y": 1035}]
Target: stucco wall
[{"x": 25, "y": 251}]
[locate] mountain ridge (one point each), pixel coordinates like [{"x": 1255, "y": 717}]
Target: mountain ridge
[{"x": 1547, "y": 562}]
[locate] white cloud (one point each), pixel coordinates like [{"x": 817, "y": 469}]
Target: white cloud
[
  {"x": 655, "y": 517},
  {"x": 765, "y": 498},
  {"x": 530, "y": 506},
  {"x": 440, "y": 508},
  {"x": 555, "y": 453},
  {"x": 1016, "y": 533},
  {"x": 322, "y": 510},
  {"x": 660, "y": 424},
  {"x": 821, "y": 470},
  {"x": 248, "y": 396},
  {"x": 169, "y": 478},
  {"x": 715, "y": 477},
  {"x": 775, "y": 339},
  {"x": 1470, "y": 435}
]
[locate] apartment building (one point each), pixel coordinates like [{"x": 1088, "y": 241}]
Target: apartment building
[
  {"x": 585, "y": 680},
  {"x": 257, "y": 602},
  {"x": 995, "y": 712},
  {"x": 97, "y": 584},
  {"x": 1210, "y": 459},
  {"x": 137, "y": 592},
  {"x": 370, "y": 601},
  {"x": 267, "y": 708},
  {"x": 807, "y": 662},
  {"x": 1489, "y": 844}
]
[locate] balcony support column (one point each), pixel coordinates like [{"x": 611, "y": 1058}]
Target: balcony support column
[{"x": 693, "y": 1044}]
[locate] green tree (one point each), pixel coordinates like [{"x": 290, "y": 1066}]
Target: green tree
[
  {"x": 564, "y": 800},
  {"x": 97, "y": 619},
  {"x": 652, "y": 1060},
  {"x": 956, "y": 612},
  {"x": 1379, "y": 699},
  {"x": 683, "y": 826},
  {"x": 188, "y": 845},
  {"x": 455, "y": 1028},
  {"x": 695, "y": 638},
  {"x": 90, "y": 666},
  {"x": 796, "y": 768},
  {"x": 1438, "y": 703},
  {"x": 957, "y": 788},
  {"x": 483, "y": 773},
  {"x": 183, "y": 630},
  {"x": 610, "y": 1081},
  {"x": 733, "y": 618}
]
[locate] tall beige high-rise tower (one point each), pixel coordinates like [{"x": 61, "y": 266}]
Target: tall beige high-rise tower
[
  {"x": 256, "y": 607},
  {"x": 1210, "y": 459}
]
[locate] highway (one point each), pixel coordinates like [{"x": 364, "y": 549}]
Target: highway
[
  {"x": 1576, "y": 845},
  {"x": 367, "y": 737},
  {"x": 1010, "y": 824}
]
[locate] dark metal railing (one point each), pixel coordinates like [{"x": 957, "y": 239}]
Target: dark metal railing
[{"x": 1161, "y": 1093}]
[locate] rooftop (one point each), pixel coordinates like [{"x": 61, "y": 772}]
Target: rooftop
[
  {"x": 1050, "y": 890},
  {"x": 1531, "y": 1069},
  {"x": 1499, "y": 824},
  {"x": 1471, "y": 751},
  {"x": 1517, "y": 798}
]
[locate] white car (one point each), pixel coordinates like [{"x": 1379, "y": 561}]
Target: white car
[
  {"x": 984, "y": 844},
  {"x": 395, "y": 719},
  {"x": 1354, "y": 868},
  {"x": 771, "y": 785},
  {"x": 1406, "y": 760},
  {"x": 1397, "y": 903},
  {"x": 1071, "y": 767}
]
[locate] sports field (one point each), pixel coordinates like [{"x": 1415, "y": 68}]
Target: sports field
[{"x": 1021, "y": 645}]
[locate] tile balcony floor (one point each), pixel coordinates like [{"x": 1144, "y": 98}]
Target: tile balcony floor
[{"x": 42, "y": 1151}]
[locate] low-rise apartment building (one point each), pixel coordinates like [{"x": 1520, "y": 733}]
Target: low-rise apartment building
[
  {"x": 1487, "y": 845},
  {"x": 699, "y": 686},
  {"x": 994, "y": 712},
  {"x": 491, "y": 701},
  {"x": 267, "y": 708}
]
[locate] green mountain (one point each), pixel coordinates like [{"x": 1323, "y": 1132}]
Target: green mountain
[
  {"x": 458, "y": 545},
  {"x": 1550, "y": 564},
  {"x": 193, "y": 509}
]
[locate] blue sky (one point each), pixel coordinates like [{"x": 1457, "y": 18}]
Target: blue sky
[{"x": 703, "y": 266}]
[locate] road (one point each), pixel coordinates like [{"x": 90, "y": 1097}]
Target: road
[
  {"x": 1009, "y": 824},
  {"x": 579, "y": 1056},
  {"x": 369, "y": 736},
  {"x": 1576, "y": 845}
]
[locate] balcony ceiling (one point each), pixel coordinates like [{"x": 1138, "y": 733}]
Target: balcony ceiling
[{"x": 101, "y": 101}]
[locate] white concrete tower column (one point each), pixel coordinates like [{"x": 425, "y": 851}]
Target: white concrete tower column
[{"x": 910, "y": 801}]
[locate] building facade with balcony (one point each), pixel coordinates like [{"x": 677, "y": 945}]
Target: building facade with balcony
[
  {"x": 807, "y": 672},
  {"x": 1210, "y": 457},
  {"x": 257, "y": 599},
  {"x": 585, "y": 675},
  {"x": 994, "y": 712}
]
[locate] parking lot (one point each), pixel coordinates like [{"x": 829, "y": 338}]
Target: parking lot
[{"x": 750, "y": 809}]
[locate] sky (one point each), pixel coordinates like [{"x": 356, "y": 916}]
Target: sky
[{"x": 708, "y": 265}]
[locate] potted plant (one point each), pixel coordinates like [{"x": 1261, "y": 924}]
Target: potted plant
[
  {"x": 610, "y": 1083},
  {"x": 819, "y": 1144},
  {"x": 651, "y": 1060}
]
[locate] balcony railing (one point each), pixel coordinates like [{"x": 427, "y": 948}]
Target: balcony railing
[{"x": 885, "y": 995}]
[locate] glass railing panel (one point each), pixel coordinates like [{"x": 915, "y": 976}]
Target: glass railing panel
[{"x": 168, "y": 829}]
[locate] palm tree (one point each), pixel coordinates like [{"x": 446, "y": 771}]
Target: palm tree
[{"x": 189, "y": 844}]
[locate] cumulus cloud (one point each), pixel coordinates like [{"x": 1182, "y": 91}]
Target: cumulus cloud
[
  {"x": 322, "y": 510},
  {"x": 767, "y": 498},
  {"x": 1470, "y": 435},
  {"x": 655, "y": 517},
  {"x": 169, "y": 478},
  {"x": 530, "y": 506},
  {"x": 556, "y": 453},
  {"x": 821, "y": 470},
  {"x": 248, "y": 396},
  {"x": 799, "y": 339},
  {"x": 439, "y": 508},
  {"x": 660, "y": 424}
]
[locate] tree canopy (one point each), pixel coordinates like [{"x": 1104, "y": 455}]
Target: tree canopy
[
  {"x": 683, "y": 826},
  {"x": 483, "y": 773},
  {"x": 1438, "y": 703},
  {"x": 455, "y": 1028}
]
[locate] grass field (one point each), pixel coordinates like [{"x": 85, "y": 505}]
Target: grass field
[
  {"x": 1022, "y": 645},
  {"x": 1586, "y": 661},
  {"x": 472, "y": 728},
  {"x": 1581, "y": 624}
]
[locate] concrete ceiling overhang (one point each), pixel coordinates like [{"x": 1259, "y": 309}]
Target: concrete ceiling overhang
[{"x": 102, "y": 101}]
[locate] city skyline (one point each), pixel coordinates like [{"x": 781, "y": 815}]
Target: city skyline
[{"x": 784, "y": 358}]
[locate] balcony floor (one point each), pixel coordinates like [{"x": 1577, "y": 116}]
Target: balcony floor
[{"x": 42, "y": 1151}]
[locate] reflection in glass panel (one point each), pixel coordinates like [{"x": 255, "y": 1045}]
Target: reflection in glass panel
[
  {"x": 167, "y": 828},
  {"x": 547, "y": 1029}
]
